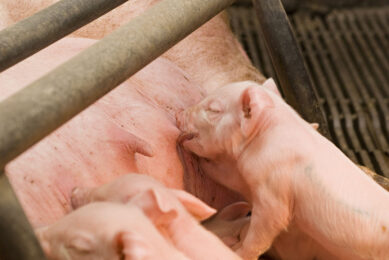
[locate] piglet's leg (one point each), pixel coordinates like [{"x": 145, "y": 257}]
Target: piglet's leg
[{"x": 269, "y": 217}]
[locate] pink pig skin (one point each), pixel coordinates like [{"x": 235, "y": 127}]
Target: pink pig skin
[
  {"x": 105, "y": 231},
  {"x": 114, "y": 136},
  {"x": 296, "y": 245},
  {"x": 169, "y": 210},
  {"x": 293, "y": 174},
  {"x": 128, "y": 186},
  {"x": 108, "y": 139},
  {"x": 230, "y": 225}
]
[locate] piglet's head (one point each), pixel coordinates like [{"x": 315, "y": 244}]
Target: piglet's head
[
  {"x": 228, "y": 119},
  {"x": 100, "y": 231}
]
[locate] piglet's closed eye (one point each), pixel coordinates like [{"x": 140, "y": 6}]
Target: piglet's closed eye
[
  {"x": 82, "y": 242},
  {"x": 133, "y": 246},
  {"x": 214, "y": 110},
  {"x": 215, "y": 106}
]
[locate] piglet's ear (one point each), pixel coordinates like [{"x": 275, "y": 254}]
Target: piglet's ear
[
  {"x": 234, "y": 211},
  {"x": 193, "y": 205},
  {"x": 272, "y": 86},
  {"x": 253, "y": 102},
  {"x": 82, "y": 242},
  {"x": 157, "y": 205}
]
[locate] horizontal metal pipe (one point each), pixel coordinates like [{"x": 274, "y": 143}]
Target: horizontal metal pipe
[
  {"x": 34, "y": 33},
  {"x": 288, "y": 62},
  {"x": 35, "y": 111},
  {"x": 18, "y": 240}
]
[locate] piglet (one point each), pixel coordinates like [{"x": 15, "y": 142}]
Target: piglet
[
  {"x": 105, "y": 231},
  {"x": 174, "y": 212},
  {"x": 288, "y": 171}
]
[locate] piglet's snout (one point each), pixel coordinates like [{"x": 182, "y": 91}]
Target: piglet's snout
[
  {"x": 185, "y": 123},
  {"x": 179, "y": 118},
  {"x": 183, "y": 120}
]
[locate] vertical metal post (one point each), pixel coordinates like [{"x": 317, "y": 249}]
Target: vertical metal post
[
  {"x": 288, "y": 62},
  {"x": 18, "y": 241}
]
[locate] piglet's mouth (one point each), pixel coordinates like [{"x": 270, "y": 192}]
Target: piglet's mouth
[{"x": 186, "y": 137}]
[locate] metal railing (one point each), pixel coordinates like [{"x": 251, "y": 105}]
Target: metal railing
[
  {"x": 35, "y": 111},
  {"x": 288, "y": 62},
  {"x": 38, "y": 109},
  {"x": 17, "y": 238}
]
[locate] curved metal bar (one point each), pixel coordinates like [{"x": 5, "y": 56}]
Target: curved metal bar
[
  {"x": 34, "y": 33},
  {"x": 18, "y": 239},
  {"x": 288, "y": 62}
]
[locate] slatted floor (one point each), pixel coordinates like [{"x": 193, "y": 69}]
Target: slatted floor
[{"x": 347, "y": 55}]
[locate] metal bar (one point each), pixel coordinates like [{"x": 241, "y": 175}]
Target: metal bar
[
  {"x": 32, "y": 34},
  {"x": 267, "y": 65},
  {"x": 34, "y": 112},
  {"x": 19, "y": 241},
  {"x": 288, "y": 62},
  {"x": 250, "y": 39}
]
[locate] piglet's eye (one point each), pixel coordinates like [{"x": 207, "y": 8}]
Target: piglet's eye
[
  {"x": 213, "y": 110},
  {"x": 214, "y": 107}
]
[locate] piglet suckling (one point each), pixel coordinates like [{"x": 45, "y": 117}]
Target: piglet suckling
[
  {"x": 106, "y": 231},
  {"x": 175, "y": 213},
  {"x": 288, "y": 171}
]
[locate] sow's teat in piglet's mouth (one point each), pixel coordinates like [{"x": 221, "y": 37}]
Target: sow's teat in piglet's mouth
[
  {"x": 185, "y": 137},
  {"x": 178, "y": 116},
  {"x": 187, "y": 158}
]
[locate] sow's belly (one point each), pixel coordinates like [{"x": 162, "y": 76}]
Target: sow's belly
[{"x": 132, "y": 129}]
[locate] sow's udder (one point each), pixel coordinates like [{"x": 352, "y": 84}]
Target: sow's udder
[{"x": 132, "y": 129}]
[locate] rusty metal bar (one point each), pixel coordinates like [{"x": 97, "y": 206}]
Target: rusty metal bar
[
  {"x": 32, "y": 34},
  {"x": 288, "y": 62},
  {"x": 34, "y": 112},
  {"x": 18, "y": 240}
]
